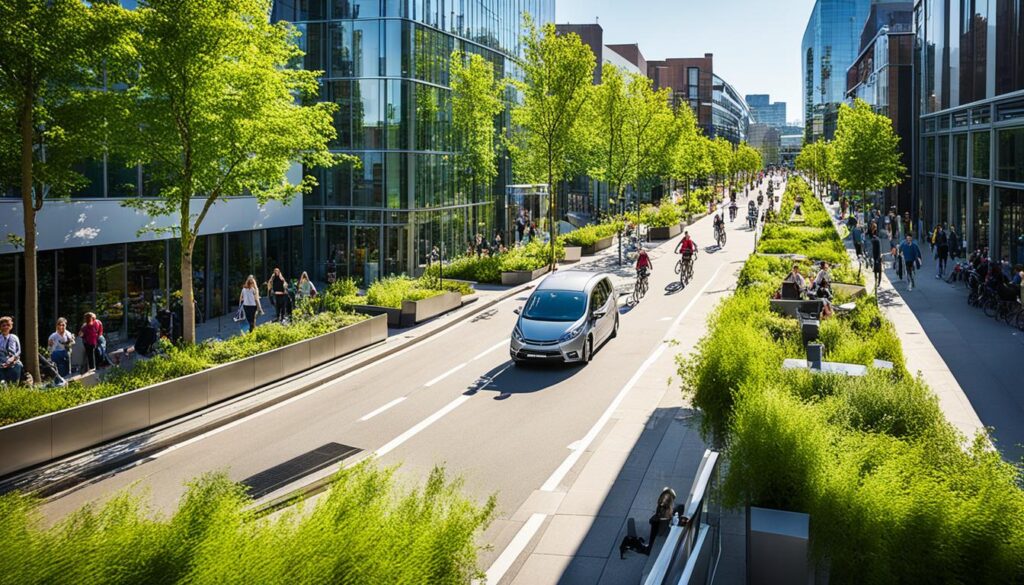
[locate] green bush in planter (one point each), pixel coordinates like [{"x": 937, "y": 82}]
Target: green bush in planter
[
  {"x": 365, "y": 529},
  {"x": 589, "y": 235},
  {"x": 664, "y": 215}
]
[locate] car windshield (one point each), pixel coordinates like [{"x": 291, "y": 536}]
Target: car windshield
[{"x": 555, "y": 305}]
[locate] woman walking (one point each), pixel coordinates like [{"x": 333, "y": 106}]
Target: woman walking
[
  {"x": 277, "y": 288},
  {"x": 250, "y": 301},
  {"x": 90, "y": 332},
  {"x": 305, "y": 290}
]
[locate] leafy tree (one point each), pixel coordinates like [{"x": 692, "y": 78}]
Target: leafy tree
[
  {"x": 476, "y": 101},
  {"x": 649, "y": 131},
  {"x": 610, "y": 160},
  {"x": 557, "y": 77},
  {"x": 818, "y": 160},
  {"x": 55, "y": 58},
  {"x": 219, "y": 113},
  {"x": 867, "y": 153},
  {"x": 721, "y": 159}
]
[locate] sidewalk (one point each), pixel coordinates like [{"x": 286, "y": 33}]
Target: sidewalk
[
  {"x": 968, "y": 359},
  {"x": 939, "y": 333}
]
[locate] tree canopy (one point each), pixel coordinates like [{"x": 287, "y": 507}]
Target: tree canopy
[{"x": 866, "y": 149}]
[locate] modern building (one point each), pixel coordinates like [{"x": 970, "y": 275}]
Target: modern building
[
  {"x": 970, "y": 88},
  {"x": 767, "y": 140},
  {"x": 385, "y": 64},
  {"x": 764, "y": 111},
  {"x": 830, "y": 45},
  {"x": 790, "y": 146},
  {"x": 883, "y": 76},
  {"x": 719, "y": 109}
]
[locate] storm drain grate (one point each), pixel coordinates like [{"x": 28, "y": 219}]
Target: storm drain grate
[{"x": 283, "y": 474}]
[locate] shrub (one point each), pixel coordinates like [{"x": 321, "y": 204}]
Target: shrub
[
  {"x": 364, "y": 530},
  {"x": 391, "y": 291},
  {"x": 589, "y": 235},
  {"x": 664, "y": 215}
]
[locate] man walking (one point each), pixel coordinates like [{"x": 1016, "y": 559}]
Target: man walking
[
  {"x": 941, "y": 251},
  {"x": 876, "y": 257},
  {"x": 911, "y": 258}
]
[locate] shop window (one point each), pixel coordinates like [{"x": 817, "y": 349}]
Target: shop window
[
  {"x": 1011, "y": 155},
  {"x": 1011, "y": 225},
  {"x": 979, "y": 221},
  {"x": 980, "y": 157}
]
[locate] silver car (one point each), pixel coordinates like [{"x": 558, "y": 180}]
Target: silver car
[{"x": 568, "y": 315}]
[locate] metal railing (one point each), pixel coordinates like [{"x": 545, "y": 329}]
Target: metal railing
[{"x": 690, "y": 551}]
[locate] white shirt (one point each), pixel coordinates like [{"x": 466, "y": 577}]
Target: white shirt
[
  {"x": 56, "y": 341},
  {"x": 249, "y": 297}
]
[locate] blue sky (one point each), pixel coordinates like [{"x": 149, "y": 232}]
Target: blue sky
[{"x": 756, "y": 42}]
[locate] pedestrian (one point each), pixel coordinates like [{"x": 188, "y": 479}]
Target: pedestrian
[
  {"x": 332, "y": 271},
  {"x": 911, "y": 258},
  {"x": 520, "y": 226},
  {"x": 434, "y": 257},
  {"x": 10, "y": 353},
  {"x": 59, "y": 343},
  {"x": 857, "y": 235},
  {"x": 496, "y": 244},
  {"x": 91, "y": 331},
  {"x": 908, "y": 226},
  {"x": 876, "y": 257},
  {"x": 249, "y": 298},
  {"x": 941, "y": 251},
  {"x": 954, "y": 242},
  {"x": 277, "y": 289},
  {"x": 533, "y": 230},
  {"x": 481, "y": 246},
  {"x": 305, "y": 290}
]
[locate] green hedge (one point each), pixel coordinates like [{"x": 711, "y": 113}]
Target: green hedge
[
  {"x": 589, "y": 235},
  {"x": 488, "y": 269},
  {"x": 664, "y": 215},
  {"x": 20, "y": 403},
  {"x": 892, "y": 494},
  {"x": 364, "y": 530}
]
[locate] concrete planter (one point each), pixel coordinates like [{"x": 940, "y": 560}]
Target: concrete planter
[
  {"x": 522, "y": 276},
  {"x": 413, "y": 312},
  {"x": 778, "y": 547},
  {"x": 665, "y": 233},
  {"x": 40, "y": 439},
  {"x": 854, "y": 291},
  {"x": 572, "y": 254},
  {"x": 605, "y": 242}
]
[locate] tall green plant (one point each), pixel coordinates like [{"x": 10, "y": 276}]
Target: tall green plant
[
  {"x": 476, "y": 102},
  {"x": 607, "y": 114},
  {"x": 56, "y": 56},
  {"x": 219, "y": 113},
  {"x": 557, "y": 77},
  {"x": 649, "y": 131},
  {"x": 867, "y": 153}
]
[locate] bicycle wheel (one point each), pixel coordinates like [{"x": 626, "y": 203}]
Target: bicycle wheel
[
  {"x": 1020, "y": 320},
  {"x": 679, "y": 266},
  {"x": 643, "y": 288},
  {"x": 990, "y": 306},
  {"x": 1009, "y": 313}
]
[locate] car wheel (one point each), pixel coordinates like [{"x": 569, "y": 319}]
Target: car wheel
[
  {"x": 588, "y": 351},
  {"x": 615, "y": 329}
]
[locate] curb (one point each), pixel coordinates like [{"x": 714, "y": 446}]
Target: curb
[{"x": 52, "y": 490}]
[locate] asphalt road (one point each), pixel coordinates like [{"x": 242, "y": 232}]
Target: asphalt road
[{"x": 454, "y": 399}]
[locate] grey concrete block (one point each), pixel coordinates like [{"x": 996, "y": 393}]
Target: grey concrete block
[
  {"x": 294, "y": 358},
  {"x": 268, "y": 368},
  {"x": 321, "y": 349},
  {"x": 25, "y": 443},
  {"x": 230, "y": 380},
  {"x": 174, "y": 398},
  {"x": 125, "y": 413},
  {"x": 77, "y": 428}
]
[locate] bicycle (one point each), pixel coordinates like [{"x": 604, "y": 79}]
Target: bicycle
[
  {"x": 640, "y": 287},
  {"x": 720, "y": 235},
  {"x": 684, "y": 268}
]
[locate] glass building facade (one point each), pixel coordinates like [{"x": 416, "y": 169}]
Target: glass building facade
[
  {"x": 830, "y": 46},
  {"x": 730, "y": 115},
  {"x": 385, "y": 64},
  {"x": 970, "y": 88}
]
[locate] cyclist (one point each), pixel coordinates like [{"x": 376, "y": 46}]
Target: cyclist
[
  {"x": 732, "y": 210},
  {"x": 687, "y": 248},
  {"x": 643, "y": 264}
]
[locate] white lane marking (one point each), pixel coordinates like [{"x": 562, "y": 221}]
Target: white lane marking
[
  {"x": 665, "y": 319},
  {"x": 556, "y": 478},
  {"x": 306, "y": 394},
  {"x": 502, "y": 343},
  {"x": 383, "y": 408},
  {"x": 397, "y": 441},
  {"x": 574, "y": 445},
  {"x": 445, "y": 375},
  {"x": 515, "y": 548}
]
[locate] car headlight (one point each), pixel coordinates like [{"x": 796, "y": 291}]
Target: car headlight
[
  {"x": 517, "y": 334},
  {"x": 572, "y": 333}
]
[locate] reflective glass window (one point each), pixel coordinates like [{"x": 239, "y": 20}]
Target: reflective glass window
[
  {"x": 979, "y": 220},
  {"x": 74, "y": 285},
  {"x": 366, "y": 48},
  {"x": 943, "y": 154},
  {"x": 1009, "y": 27},
  {"x": 342, "y": 64},
  {"x": 1011, "y": 155},
  {"x": 980, "y": 156},
  {"x": 367, "y": 120},
  {"x": 960, "y": 155},
  {"x": 92, "y": 186},
  {"x": 929, "y": 155},
  {"x": 122, "y": 180},
  {"x": 368, "y": 182},
  {"x": 1011, "y": 225},
  {"x": 147, "y": 282}
]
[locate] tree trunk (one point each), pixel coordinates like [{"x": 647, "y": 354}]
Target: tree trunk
[
  {"x": 188, "y": 307},
  {"x": 30, "y": 339},
  {"x": 551, "y": 209}
]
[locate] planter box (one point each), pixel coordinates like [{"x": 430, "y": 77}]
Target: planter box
[
  {"x": 605, "y": 242},
  {"x": 790, "y": 308},
  {"x": 665, "y": 233},
  {"x": 394, "y": 316},
  {"x": 40, "y": 439},
  {"x": 572, "y": 254},
  {"x": 778, "y": 547},
  {"x": 522, "y": 276},
  {"x": 854, "y": 291},
  {"x": 418, "y": 311}
]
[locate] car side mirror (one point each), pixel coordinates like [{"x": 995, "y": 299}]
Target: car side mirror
[
  {"x": 599, "y": 313},
  {"x": 517, "y": 310}
]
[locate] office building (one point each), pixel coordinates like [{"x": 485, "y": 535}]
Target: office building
[
  {"x": 764, "y": 111},
  {"x": 970, "y": 87},
  {"x": 385, "y": 64},
  {"x": 830, "y": 45},
  {"x": 767, "y": 140},
  {"x": 718, "y": 107},
  {"x": 883, "y": 76},
  {"x": 790, "y": 146}
]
